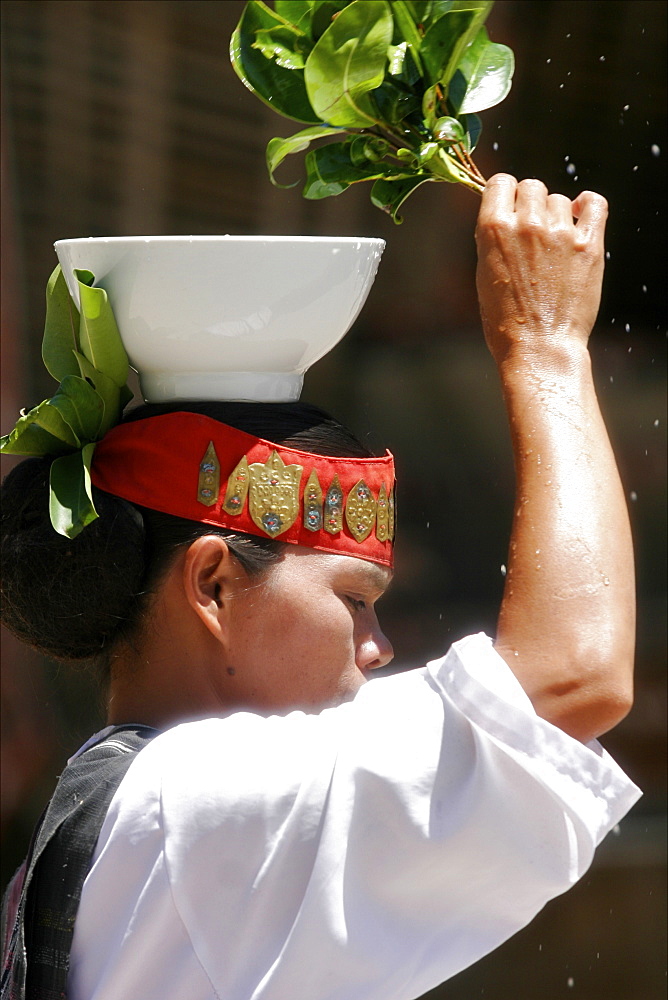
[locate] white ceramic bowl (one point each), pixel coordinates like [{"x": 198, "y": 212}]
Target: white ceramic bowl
[{"x": 227, "y": 317}]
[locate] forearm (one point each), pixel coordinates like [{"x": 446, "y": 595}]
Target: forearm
[{"x": 567, "y": 620}]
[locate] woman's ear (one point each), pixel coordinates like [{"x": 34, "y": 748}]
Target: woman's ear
[{"x": 211, "y": 576}]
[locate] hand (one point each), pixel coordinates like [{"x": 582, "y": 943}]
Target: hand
[{"x": 539, "y": 271}]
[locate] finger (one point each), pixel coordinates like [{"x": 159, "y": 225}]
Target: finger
[
  {"x": 560, "y": 209},
  {"x": 498, "y": 198},
  {"x": 531, "y": 200},
  {"x": 591, "y": 211}
]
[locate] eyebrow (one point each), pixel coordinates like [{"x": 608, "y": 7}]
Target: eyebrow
[{"x": 377, "y": 576}]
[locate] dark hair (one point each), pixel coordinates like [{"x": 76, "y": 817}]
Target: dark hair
[{"x": 76, "y": 599}]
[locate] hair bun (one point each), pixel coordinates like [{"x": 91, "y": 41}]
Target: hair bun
[{"x": 68, "y": 598}]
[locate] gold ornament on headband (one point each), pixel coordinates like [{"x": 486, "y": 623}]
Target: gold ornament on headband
[
  {"x": 273, "y": 499},
  {"x": 313, "y": 503},
  {"x": 237, "y": 488},
  {"x": 209, "y": 477},
  {"x": 360, "y": 511},
  {"x": 392, "y": 514},
  {"x": 334, "y": 508},
  {"x": 382, "y": 515}
]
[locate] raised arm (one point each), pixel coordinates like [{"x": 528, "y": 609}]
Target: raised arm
[{"x": 567, "y": 620}]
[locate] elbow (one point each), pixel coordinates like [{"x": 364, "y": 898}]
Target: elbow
[{"x": 589, "y": 709}]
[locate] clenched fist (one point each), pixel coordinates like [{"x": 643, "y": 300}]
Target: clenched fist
[{"x": 540, "y": 265}]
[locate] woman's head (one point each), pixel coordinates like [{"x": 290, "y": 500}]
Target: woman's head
[{"x": 83, "y": 598}]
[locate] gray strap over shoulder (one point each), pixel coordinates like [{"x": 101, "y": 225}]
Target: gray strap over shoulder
[{"x": 37, "y": 959}]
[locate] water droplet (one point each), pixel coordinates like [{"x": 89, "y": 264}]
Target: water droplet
[
  {"x": 606, "y": 582},
  {"x": 644, "y": 288},
  {"x": 626, "y": 107},
  {"x": 571, "y": 168},
  {"x": 503, "y": 569},
  {"x": 537, "y": 552},
  {"x": 601, "y": 58},
  {"x": 607, "y": 257},
  {"x": 570, "y": 982},
  {"x": 629, "y": 350},
  {"x": 616, "y": 830},
  {"x": 567, "y": 36},
  {"x": 612, "y": 378},
  {"x": 656, "y": 150},
  {"x": 627, "y": 327},
  {"x": 656, "y": 422},
  {"x": 633, "y": 496},
  {"x": 548, "y": 60},
  {"x": 495, "y": 145},
  {"x": 516, "y": 653},
  {"x": 561, "y": 86},
  {"x": 635, "y": 168}
]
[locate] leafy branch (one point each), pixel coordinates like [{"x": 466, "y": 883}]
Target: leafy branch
[
  {"x": 82, "y": 349},
  {"x": 392, "y": 88}
]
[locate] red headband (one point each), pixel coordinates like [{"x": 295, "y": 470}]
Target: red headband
[{"x": 194, "y": 467}]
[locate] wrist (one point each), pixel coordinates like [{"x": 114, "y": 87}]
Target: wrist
[{"x": 555, "y": 357}]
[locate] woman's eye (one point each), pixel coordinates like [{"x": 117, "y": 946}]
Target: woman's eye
[{"x": 356, "y": 604}]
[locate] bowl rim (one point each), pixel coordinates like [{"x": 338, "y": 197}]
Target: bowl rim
[{"x": 138, "y": 240}]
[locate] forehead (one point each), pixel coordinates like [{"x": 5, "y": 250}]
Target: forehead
[{"x": 371, "y": 575}]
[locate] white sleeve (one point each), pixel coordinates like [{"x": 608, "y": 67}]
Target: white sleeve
[{"x": 374, "y": 850}]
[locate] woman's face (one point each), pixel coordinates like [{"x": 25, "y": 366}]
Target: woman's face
[{"x": 306, "y": 635}]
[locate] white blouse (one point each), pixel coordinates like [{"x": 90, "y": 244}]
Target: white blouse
[{"x": 366, "y": 853}]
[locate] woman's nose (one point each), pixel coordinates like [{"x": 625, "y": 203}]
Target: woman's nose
[{"x": 373, "y": 650}]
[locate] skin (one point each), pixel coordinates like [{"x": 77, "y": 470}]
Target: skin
[
  {"x": 567, "y": 620},
  {"x": 306, "y": 634}
]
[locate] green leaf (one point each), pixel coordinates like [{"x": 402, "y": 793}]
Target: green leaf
[
  {"x": 488, "y": 70},
  {"x": 98, "y": 334},
  {"x": 405, "y": 23},
  {"x": 389, "y": 195},
  {"x": 348, "y": 61},
  {"x": 324, "y": 11},
  {"x": 396, "y": 54},
  {"x": 447, "y": 168},
  {"x": 61, "y": 328},
  {"x": 420, "y": 10},
  {"x": 278, "y": 148},
  {"x": 30, "y": 440},
  {"x": 365, "y": 149},
  {"x": 280, "y": 44},
  {"x": 111, "y": 394},
  {"x": 473, "y": 127},
  {"x": 429, "y": 106},
  {"x": 280, "y": 88},
  {"x": 445, "y": 41},
  {"x": 45, "y": 418},
  {"x": 426, "y": 151},
  {"x": 330, "y": 170},
  {"x": 394, "y": 102},
  {"x": 448, "y": 130},
  {"x": 71, "y": 505},
  {"x": 297, "y": 12},
  {"x": 80, "y": 406}
]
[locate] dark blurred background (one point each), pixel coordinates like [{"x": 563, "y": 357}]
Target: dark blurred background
[{"x": 123, "y": 118}]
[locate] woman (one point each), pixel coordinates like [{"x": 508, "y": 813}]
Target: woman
[{"x": 291, "y": 832}]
